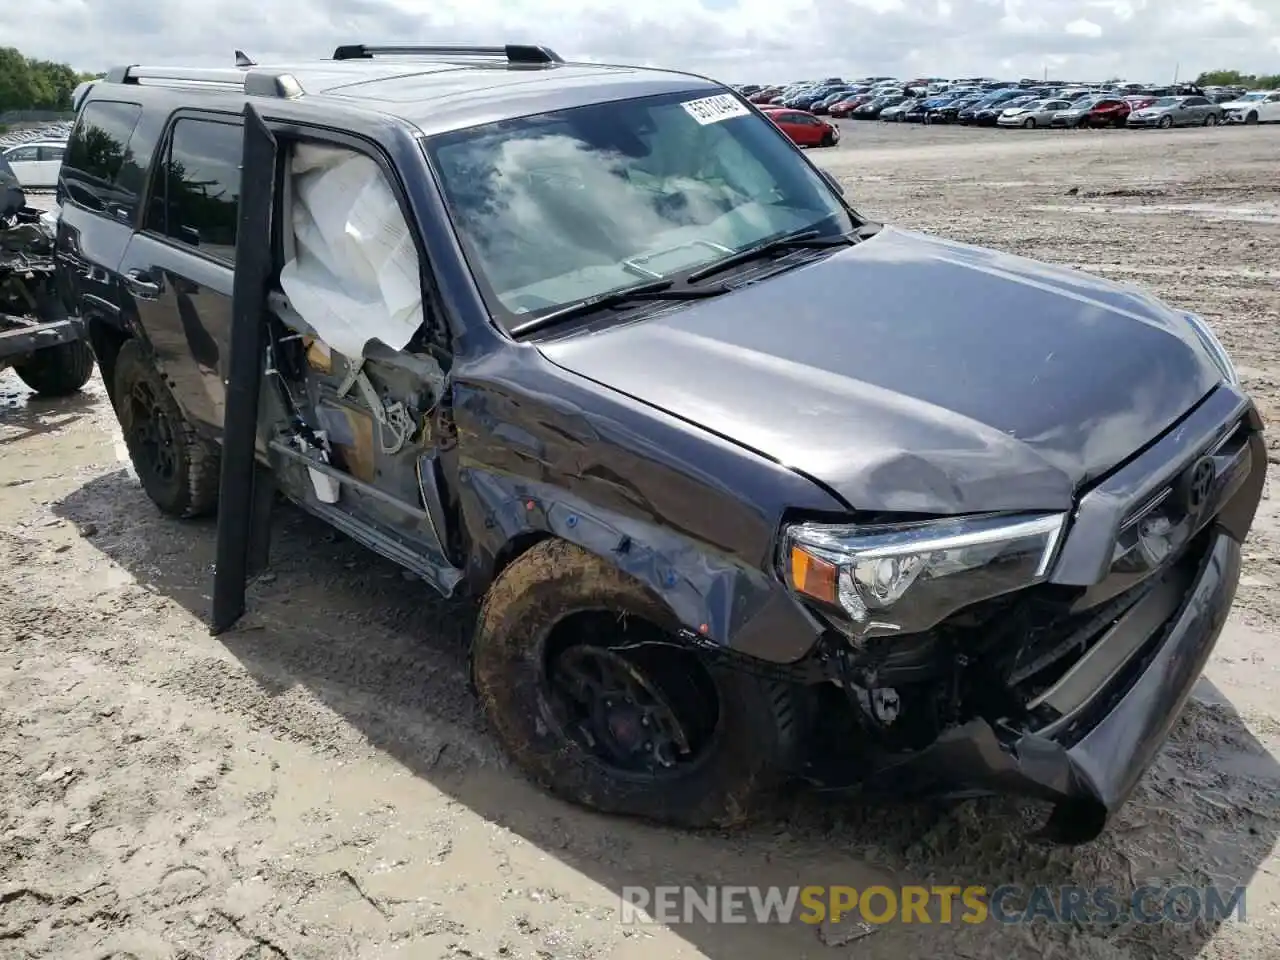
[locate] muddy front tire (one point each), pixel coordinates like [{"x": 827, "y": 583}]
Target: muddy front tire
[
  {"x": 558, "y": 603},
  {"x": 57, "y": 371},
  {"x": 178, "y": 468}
]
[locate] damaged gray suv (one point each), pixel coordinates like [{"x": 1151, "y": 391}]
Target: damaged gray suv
[{"x": 752, "y": 489}]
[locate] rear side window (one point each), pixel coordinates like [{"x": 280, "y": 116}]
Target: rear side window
[
  {"x": 52, "y": 153},
  {"x": 195, "y": 194},
  {"x": 98, "y": 159}
]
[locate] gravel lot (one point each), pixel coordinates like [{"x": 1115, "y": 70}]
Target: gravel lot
[{"x": 318, "y": 783}]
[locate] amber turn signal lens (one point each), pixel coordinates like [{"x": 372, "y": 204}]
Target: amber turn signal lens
[{"x": 813, "y": 577}]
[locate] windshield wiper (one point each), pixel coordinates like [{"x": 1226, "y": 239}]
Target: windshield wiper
[
  {"x": 811, "y": 239},
  {"x": 653, "y": 290}
]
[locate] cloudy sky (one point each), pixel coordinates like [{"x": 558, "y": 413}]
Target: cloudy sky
[{"x": 733, "y": 40}]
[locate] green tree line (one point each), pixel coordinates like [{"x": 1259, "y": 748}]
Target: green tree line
[
  {"x": 29, "y": 84},
  {"x": 1234, "y": 78}
]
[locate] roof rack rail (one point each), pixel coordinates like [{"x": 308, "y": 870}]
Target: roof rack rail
[
  {"x": 254, "y": 82},
  {"x": 513, "y": 52}
]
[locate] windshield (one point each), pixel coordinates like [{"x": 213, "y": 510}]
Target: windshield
[
  {"x": 560, "y": 207},
  {"x": 1167, "y": 102},
  {"x": 1253, "y": 96}
]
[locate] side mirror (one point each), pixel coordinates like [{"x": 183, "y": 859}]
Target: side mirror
[{"x": 832, "y": 182}]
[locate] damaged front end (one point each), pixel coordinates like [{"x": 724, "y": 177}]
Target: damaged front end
[
  {"x": 31, "y": 315},
  {"x": 1063, "y": 689}
]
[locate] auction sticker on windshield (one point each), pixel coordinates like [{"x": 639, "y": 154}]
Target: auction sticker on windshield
[{"x": 714, "y": 109}]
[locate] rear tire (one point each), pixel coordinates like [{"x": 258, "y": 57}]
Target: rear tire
[
  {"x": 178, "y": 468},
  {"x": 557, "y": 603},
  {"x": 57, "y": 371}
]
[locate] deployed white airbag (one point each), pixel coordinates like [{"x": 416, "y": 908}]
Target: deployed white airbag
[{"x": 353, "y": 274}]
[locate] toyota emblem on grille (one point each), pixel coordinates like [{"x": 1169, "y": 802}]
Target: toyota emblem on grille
[{"x": 1199, "y": 484}]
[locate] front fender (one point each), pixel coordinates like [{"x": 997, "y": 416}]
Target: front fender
[{"x": 725, "y": 600}]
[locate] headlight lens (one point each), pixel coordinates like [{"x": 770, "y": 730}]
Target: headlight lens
[
  {"x": 1215, "y": 348},
  {"x": 904, "y": 578}
]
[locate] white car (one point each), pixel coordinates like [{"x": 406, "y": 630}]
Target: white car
[
  {"x": 36, "y": 164},
  {"x": 1257, "y": 106}
]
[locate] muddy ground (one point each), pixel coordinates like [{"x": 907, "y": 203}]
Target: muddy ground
[{"x": 318, "y": 783}]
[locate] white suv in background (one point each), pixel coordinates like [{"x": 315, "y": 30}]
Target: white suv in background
[
  {"x": 36, "y": 163},
  {"x": 1256, "y": 106}
]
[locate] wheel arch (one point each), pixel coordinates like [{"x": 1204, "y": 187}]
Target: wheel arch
[
  {"x": 724, "y": 599},
  {"x": 105, "y": 339}
]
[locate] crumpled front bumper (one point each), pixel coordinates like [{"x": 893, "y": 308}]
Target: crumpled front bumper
[
  {"x": 1129, "y": 688},
  {"x": 1093, "y": 776}
]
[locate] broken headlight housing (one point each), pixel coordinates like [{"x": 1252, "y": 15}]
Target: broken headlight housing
[{"x": 887, "y": 579}]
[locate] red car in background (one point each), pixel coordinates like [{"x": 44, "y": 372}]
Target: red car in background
[
  {"x": 1106, "y": 112},
  {"x": 843, "y": 108},
  {"x": 805, "y": 129}
]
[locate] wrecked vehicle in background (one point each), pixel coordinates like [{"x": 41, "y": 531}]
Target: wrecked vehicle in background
[
  {"x": 37, "y": 337},
  {"x": 752, "y": 487}
]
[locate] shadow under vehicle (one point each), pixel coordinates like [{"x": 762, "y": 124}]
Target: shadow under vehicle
[{"x": 728, "y": 525}]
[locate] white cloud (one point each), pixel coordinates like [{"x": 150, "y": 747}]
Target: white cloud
[
  {"x": 1084, "y": 28},
  {"x": 731, "y": 39}
]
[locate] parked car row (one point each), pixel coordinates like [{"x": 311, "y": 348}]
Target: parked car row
[{"x": 1023, "y": 104}]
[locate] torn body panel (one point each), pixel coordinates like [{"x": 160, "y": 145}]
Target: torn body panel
[
  {"x": 695, "y": 518},
  {"x": 1067, "y": 692},
  {"x": 1087, "y": 769},
  {"x": 347, "y": 422}
]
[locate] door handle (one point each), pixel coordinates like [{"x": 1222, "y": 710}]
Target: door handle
[{"x": 142, "y": 286}]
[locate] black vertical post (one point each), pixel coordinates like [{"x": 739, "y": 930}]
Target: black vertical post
[{"x": 237, "y": 502}]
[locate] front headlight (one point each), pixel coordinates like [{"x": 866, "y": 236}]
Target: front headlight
[
  {"x": 904, "y": 578},
  {"x": 1215, "y": 348}
]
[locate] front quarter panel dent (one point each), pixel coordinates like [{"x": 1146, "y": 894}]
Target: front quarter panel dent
[{"x": 728, "y": 602}]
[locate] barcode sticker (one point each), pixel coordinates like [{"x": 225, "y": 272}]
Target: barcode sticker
[{"x": 714, "y": 109}]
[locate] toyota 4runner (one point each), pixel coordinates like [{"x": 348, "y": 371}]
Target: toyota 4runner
[{"x": 752, "y": 487}]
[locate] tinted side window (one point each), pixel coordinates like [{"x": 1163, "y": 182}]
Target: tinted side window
[
  {"x": 196, "y": 188},
  {"x": 97, "y": 154},
  {"x": 52, "y": 153},
  {"x": 22, "y": 154}
]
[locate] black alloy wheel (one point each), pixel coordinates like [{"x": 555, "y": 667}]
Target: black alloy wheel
[{"x": 645, "y": 711}]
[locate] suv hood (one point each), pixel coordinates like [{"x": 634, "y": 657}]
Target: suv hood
[{"x": 909, "y": 373}]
